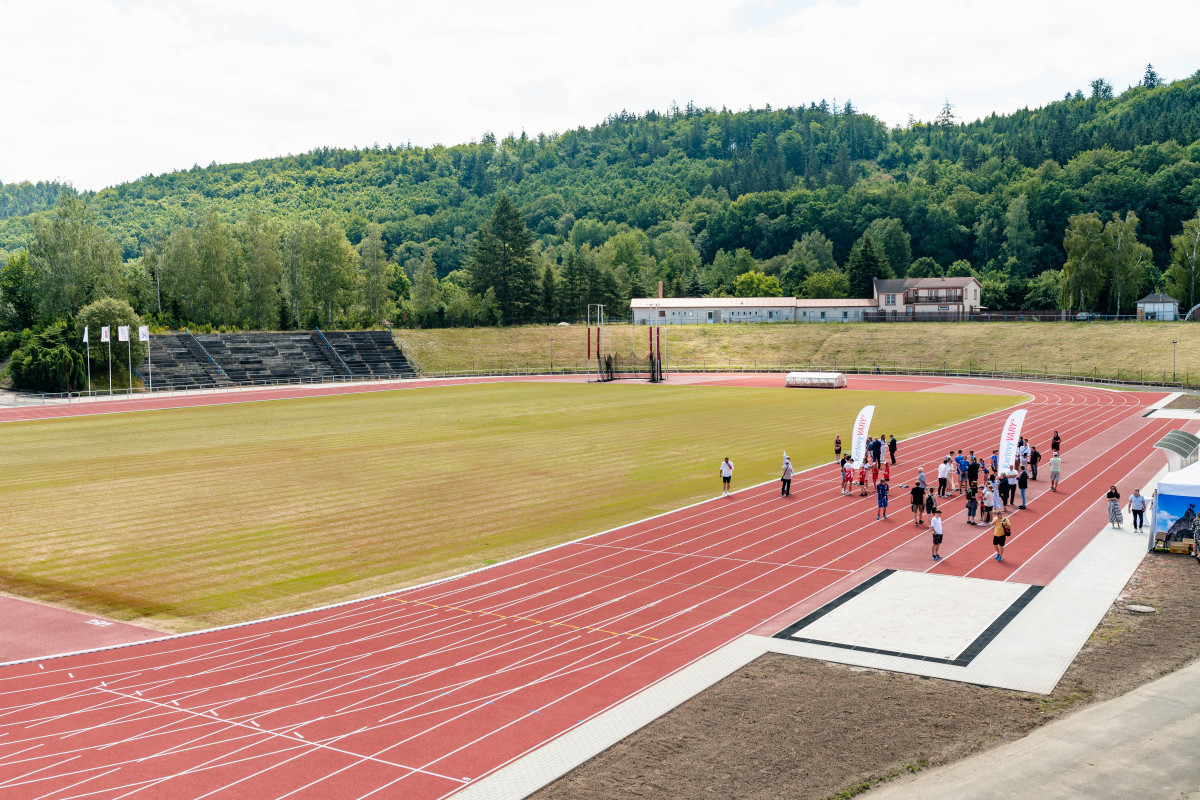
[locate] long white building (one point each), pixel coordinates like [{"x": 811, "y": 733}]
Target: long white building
[
  {"x": 905, "y": 297},
  {"x": 715, "y": 310}
]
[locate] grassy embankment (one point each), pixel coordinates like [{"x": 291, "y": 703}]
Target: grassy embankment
[
  {"x": 1079, "y": 348},
  {"x": 188, "y": 518}
]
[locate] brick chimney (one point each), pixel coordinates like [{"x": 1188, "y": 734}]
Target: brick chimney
[{"x": 660, "y": 290}]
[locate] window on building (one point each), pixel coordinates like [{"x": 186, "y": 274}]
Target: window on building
[
  {"x": 662, "y": 312},
  {"x": 890, "y": 300},
  {"x": 845, "y": 314}
]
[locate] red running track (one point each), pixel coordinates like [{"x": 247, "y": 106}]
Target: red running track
[{"x": 421, "y": 692}]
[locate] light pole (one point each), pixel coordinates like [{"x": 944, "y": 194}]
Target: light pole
[
  {"x": 1173, "y": 343},
  {"x": 551, "y": 353}
]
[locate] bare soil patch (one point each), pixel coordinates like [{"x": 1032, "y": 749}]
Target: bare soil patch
[
  {"x": 1185, "y": 401},
  {"x": 785, "y": 727}
]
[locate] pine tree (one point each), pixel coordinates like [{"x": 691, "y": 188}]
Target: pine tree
[
  {"x": 548, "y": 293},
  {"x": 1151, "y": 80},
  {"x": 503, "y": 260},
  {"x": 866, "y": 263}
]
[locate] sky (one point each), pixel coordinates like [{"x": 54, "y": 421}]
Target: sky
[{"x": 99, "y": 92}]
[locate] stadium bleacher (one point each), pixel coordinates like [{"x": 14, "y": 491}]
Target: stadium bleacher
[{"x": 249, "y": 358}]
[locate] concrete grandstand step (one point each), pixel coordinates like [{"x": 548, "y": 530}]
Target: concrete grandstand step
[{"x": 249, "y": 358}]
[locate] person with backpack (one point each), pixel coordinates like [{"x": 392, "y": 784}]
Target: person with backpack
[{"x": 1001, "y": 530}]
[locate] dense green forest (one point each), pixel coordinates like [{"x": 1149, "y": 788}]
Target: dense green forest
[{"x": 1087, "y": 202}]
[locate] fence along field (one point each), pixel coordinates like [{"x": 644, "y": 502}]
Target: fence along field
[
  {"x": 188, "y": 518},
  {"x": 1125, "y": 350}
]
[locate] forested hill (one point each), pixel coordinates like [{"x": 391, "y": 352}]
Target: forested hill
[{"x": 697, "y": 198}]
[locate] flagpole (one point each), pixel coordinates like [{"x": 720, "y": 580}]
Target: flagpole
[
  {"x": 86, "y": 340},
  {"x": 110, "y": 365},
  {"x": 150, "y": 362},
  {"x": 129, "y": 351}
]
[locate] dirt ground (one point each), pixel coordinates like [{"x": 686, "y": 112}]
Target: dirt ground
[
  {"x": 785, "y": 727},
  {"x": 1185, "y": 401}
]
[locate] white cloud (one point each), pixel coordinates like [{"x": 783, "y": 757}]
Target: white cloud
[{"x": 102, "y": 91}]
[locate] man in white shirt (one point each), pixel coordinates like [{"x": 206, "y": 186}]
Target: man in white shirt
[
  {"x": 935, "y": 525},
  {"x": 726, "y": 476},
  {"x": 1055, "y": 471},
  {"x": 1137, "y": 504},
  {"x": 943, "y": 472}
]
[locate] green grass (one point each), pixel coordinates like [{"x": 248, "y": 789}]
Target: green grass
[
  {"x": 194, "y": 517},
  {"x": 1107, "y": 349}
]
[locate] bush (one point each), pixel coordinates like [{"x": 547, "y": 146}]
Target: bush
[{"x": 48, "y": 362}]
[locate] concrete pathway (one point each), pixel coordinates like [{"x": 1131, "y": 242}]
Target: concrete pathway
[{"x": 1140, "y": 745}]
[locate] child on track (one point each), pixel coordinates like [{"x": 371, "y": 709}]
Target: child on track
[
  {"x": 862, "y": 478},
  {"x": 881, "y": 490}
]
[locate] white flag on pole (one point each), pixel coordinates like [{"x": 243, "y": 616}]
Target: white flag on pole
[
  {"x": 858, "y": 444},
  {"x": 144, "y": 333},
  {"x": 104, "y": 334},
  {"x": 1009, "y": 435},
  {"x": 122, "y": 333},
  {"x": 85, "y": 334}
]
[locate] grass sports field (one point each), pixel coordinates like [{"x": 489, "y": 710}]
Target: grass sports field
[
  {"x": 1102, "y": 348},
  {"x": 183, "y": 519}
]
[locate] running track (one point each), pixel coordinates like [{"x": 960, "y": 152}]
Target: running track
[{"x": 421, "y": 692}]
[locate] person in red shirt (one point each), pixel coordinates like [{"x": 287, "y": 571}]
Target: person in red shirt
[
  {"x": 886, "y": 473},
  {"x": 862, "y": 478},
  {"x": 875, "y": 473}
]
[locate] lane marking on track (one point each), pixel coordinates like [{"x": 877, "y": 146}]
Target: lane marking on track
[
  {"x": 527, "y": 619},
  {"x": 212, "y": 717}
]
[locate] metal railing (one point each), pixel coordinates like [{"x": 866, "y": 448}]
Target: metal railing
[
  {"x": 200, "y": 349},
  {"x": 328, "y": 349},
  {"x": 1130, "y": 379}
]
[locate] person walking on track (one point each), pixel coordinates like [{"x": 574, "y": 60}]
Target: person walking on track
[
  {"x": 881, "y": 490},
  {"x": 1115, "y": 517},
  {"x": 918, "y": 503},
  {"x": 847, "y": 476},
  {"x": 935, "y": 525},
  {"x": 943, "y": 472},
  {"x": 1023, "y": 484},
  {"x": 892, "y": 447},
  {"x": 837, "y": 446},
  {"x": 1056, "y": 444},
  {"x": 726, "y": 476},
  {"x": 1001, "y": 530},
  {"x": 1137, "y": 505},
  {"x": 787, "y": 476},
  {"x": 1035, "y": 458},
  {"x": 1055, "y": 470}
]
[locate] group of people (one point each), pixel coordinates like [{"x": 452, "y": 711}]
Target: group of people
[{"x": 989, "y": 488}]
